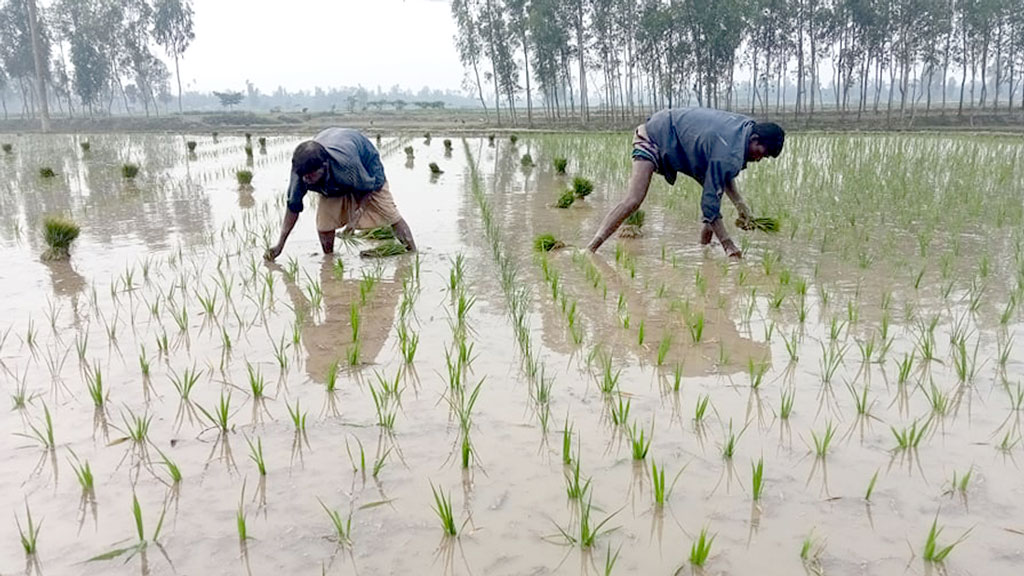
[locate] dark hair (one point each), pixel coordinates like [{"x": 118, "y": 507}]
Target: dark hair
[
  {"x": 308, "y": 157},
  {"x": 771, "y": 135}
]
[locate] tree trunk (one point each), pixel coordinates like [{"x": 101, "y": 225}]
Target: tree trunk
[
  {"x": 584, "y": 105},
  {"x": 479, "y": 86},
  {"x": 177, "y": 73},
  {"x": 37, "y": 56},
  {"x": 526, "y": 64}
]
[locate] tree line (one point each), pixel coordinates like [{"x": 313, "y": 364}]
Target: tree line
[{"x": 571, "y": 59}]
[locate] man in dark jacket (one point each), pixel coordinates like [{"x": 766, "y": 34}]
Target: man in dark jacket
[
  {"x": 710, "y": 146},
  {"x": 345, "y": 169}
]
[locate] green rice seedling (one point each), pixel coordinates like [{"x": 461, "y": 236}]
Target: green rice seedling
[
  {"x": 85, "y": 145},
  {"x": 723, "y": 354},
  {"x": 609, "y": 379},
  {"x": 466, "y": 448},
  {"x": 701, "y": 408},
  {"x": 582, "y": 187},
  {"x": 961, "y": 484},
  {"x": 860, "y": 400},
  {"x": 620, "y": 411},
  {"x": 933, "y": 552},
  {"x": 526, "y": 161},
  {"x": 677, "y": 376},
  {"x": 909, "y": 438},
  {"x": 546, "y": 243},
  {"x": 1004, "y": 347},
  {"x": 560, "y": 163},
  {"x": 831, "y": 360},
  {"x": 191, "y": 145},
  {"x": 575, "y": 487},
  {"x": 443, "y": 509},
  {"x": 640, "y": 333},
  {"x": 59, "y": 233},
  {"x": 567, "y": 430},
  {"x": 143, "y": 362},
  {"x": 964, "y": 363},
  {"x": 871, "y": 487},
  {"x": 696, "y": 327},
  {"x": 342, "y": 530},
  {"x": 262, "y": 141},
  {"x": 658, "y": 482},
  {"x": 137, "y": 427},
  {"x": 566, "y": 199},
  {"x": 664, "y": 346},
  {"x": 181, "y": 318},
  {"x": 756, "y": 372},
  {"x": 822, "y": 443},
  {"x": 221, "y": 415},
  {"x": 94, "y": 383},
  {"x": 186, "y": 382},
  {"x": 610, "y": 560},
  {"x": 353, "y": 354},
  {"x": 588, "y": 533},
  {"x": 43, "y": 434},
  {"x": 905, "y": 366},
  {"x": 129, "y": 170},
  {"x": 867, "y": 349},
  {"x": 248, "y": 151},
  {"x": 281, "y": 352},
  {"x": 835, "y": 329},
  {"x": 792, "y": 347},
  {"x": 939, "y": 401},
  {"x": 298, "y": 416},
  {"x": 1007, "y": 314},
  {"x": 83, "y": 472},
  {"x": 762, "y": 223},
  {"x": 29, "y": 537},
  {"x": 447, "y": 145},
  {"x": 1009, "y": 442},
  {"x": 240, "y": 518},
  {"x": 408, "y": 343},
  {"x": 7, "y": 147},
  {"x": 256, "y": 454},
  {"x": 244, "y": 177},
  {"x": 701, "y": 548},
  {"x": 731, "y": 439},
  {"x": 435, "y": 169},
  {"x": 757, "y": 478},
  {"x": 46, "y": 172},
  {"x": 332, "y": 377},
  {"x": 639, "y": 443}
]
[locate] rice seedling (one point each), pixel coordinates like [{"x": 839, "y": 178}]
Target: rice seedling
[
  {"x": 447, "y": 145},
  {"x": 1009, "y": 441},
  {"x": 731, "y": 440},
  {"x": 756, "y": 372},
  {"x": 822, "y": 443},
  {"x": 905, "y": 366},
  {"x": 965, "y": 364},
  {"x": 248, "y": 151},
  {"x": 909, "y": 438},
  {"x": 240, "y": 518},
  {"x": 191, "y": 145},
  {"x": 933, "y": 552},
  {"x": 256, "y": 454},
  {"x": 575, "y": 486},
  {"x": 85, "y": 145},
  {"x": 443, "y": 509},
  {"x": 663, "y": 347},
  {"x": 83, "y": 472},
  {"x": 609, "y": 379},
  {"x": 566, "y": 199},
  {"x": 871, "y": 487},
  {"x": 59, "y": 233},
  {"x": 560, "y": 163},
  {"x": 298, "y": 416},
  {"x": 42, "y": 434},
  {"x": 342, "y": 530},
  {"x": 677, "y": 376},
  {"x": 137, "y": 427},
  {"x": 262, "y": 141},
  {"x": 281, "y": 352},
  {"x": 94, "y": 383},
  {"x": 29, "y": 536},
  {"x": 792, "y": 347},
  {"x": 567, "y": 430},
  {"x": 757, "y": 479},
  {"x": 46, "y": 172},
  {"x": 221, "y": 414},
  {"x": 582, "y": 187},
  {"x": 640, "y": 333},
  {"x": 546, "y": 243},
  {"x": 762, "y": 223},
  {"x": 701, "y": 408},
  {"x": 701, "y": 548},
  {"x": 353, "y": 354},
  {"x": 938, "y": 400},
  {"x": 1003, "y": 348},
  {"x": 435, "y": 169},
  {"x": 831, "y": 360},
  {"x": 639, "y": 443},
  {"x": 409, "y": 155},
  {"x": 129, "y": 170},
  {"x": 244, "y": 177},
  {"x": 186, "y": 382},
  {"x": 961, "y": 484},
  {"x": 610, "y": 560},
  {"x": 587, "y": 533}
]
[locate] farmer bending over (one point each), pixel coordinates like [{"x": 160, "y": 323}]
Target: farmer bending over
[
  {"x": 710, "y": 146},
  {"x": 345, "y": 168}
]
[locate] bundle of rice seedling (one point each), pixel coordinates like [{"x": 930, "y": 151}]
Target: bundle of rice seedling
[
  {"x": 47, "y": 172},
  {"x": 59, "y": 233},
  {"x": 582, "y": 187},
  {"x": 380, "y": 233},
  {"x": 435, "y": 169},
  {"x": 85, "y": 145},
  {"x": 389, "y": 248},
  {"x": 560, "y": 164},
  {"x": 7, "y": 147},
  {"x": 130, "y": 170},
  {"x": 244, "y": 177},
  {"x": 447, "y": 144},
  {"x": 408, "y": 152},
  {"x": 566, "y": 199},
  {"x": 546, "y": 243},
  {"x": 633, "y": 226},
  {"x": 191, "y": 145},
  {"x": 526, "y": 161},
  {"x": 764, "y": 224}
]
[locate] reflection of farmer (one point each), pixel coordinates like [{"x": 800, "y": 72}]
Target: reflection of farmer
[
  {"x": 328, "y": 338},
  {"x": 710, "y": 146},
  {"x": 345, "y": 168}
]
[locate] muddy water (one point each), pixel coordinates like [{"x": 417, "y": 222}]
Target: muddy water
[{"x": 183, "y": 230}]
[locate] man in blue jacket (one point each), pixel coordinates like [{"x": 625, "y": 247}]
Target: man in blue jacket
[
  {"x": 708, "y": 145},
  {"x": 345, "y": 169}
]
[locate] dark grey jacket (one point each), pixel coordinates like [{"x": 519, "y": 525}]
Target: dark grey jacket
[{"x": 355, "y": 167}]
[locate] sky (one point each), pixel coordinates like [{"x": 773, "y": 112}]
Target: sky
[{"x": 300, "y": 44}]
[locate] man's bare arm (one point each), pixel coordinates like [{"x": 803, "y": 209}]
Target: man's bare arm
[{"x": 639, "y": 181}]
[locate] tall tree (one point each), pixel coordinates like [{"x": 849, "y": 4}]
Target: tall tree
[
  {"x": 172, "y": 29},
  {"x": 41, "y": 58},
  {"x": 467, "y": 41}
]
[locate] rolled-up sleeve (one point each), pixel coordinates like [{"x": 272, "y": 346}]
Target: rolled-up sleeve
[{"x": 296, "y": 192}]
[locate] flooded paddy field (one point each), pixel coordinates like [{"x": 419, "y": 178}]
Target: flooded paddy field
[{"x": 853, "y": 383}]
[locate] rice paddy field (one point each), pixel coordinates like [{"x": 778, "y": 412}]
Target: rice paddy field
[{"x": 845, "y": 400}]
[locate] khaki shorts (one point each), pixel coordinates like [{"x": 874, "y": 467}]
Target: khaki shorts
[{"x": 375, "y": 210}]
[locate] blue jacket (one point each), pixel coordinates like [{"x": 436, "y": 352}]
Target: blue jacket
[
  {"x": 707, "y": 145},
  {"x": 354, "y": 168}
]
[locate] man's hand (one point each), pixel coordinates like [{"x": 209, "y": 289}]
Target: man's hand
[
  {"x": 272, "y": 253},
  {"x": 731, "y": 249}
]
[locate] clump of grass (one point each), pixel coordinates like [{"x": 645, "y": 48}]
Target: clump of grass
[
  {"x": 46, "y": 172},
  {"x": 191, "y": 145},
  {"x": 701, "y": 548},
  {"x": 129, "y": 170},
  {"x": 560, "y": 164},
  {"x": 435, "y": 169},
  {"x": 85, "y": 146},
  {"x": 909, "y": 438},
  {"x": 244, "y": 177},
  {"x": 526, "y": 161},
  {"x": 546, "y": 243},
  {"x": 582, "y": 187},
  {"x": 757, "y": 478},
  {"x": 566, "y": 199},
  {"x": 59, "y": 233},
  {"x": 639, "y": 443}
]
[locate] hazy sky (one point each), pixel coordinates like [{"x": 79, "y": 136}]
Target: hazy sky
[{"x": 300, "y": 44}]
